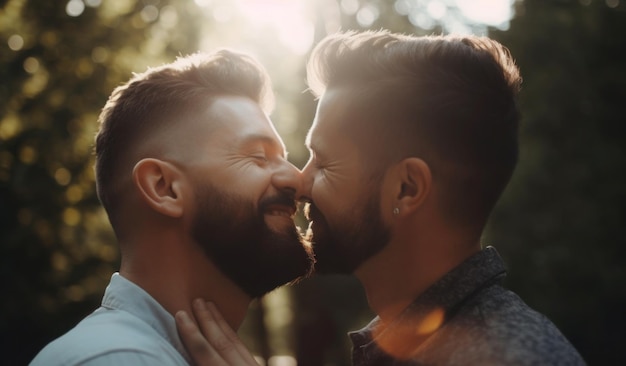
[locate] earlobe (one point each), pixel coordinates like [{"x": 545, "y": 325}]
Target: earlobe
[
  {"x": 416, "y": 180},
  {"x": 158, "y": 184}
]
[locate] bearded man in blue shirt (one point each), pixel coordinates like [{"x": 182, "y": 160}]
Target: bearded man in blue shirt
[{"x": 197, "y": 187}]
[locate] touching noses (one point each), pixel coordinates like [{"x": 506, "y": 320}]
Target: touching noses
[{"x": 288, "y": 178}]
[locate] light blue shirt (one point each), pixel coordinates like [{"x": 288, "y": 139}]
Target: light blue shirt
[{"x": 130, "y": 328}]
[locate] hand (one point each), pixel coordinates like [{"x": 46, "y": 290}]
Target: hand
[{"x": 211, "y": 341}]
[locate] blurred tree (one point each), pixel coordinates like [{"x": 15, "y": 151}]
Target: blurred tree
[
  {"x": 560, "y": 225},
  {"x": 59, "y": 62}
]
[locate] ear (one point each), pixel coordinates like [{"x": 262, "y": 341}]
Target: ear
[
  {"x": 159, "y": 185},
  {"x": 415, "y": 180}
]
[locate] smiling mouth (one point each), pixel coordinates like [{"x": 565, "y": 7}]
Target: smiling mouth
[{"x": 281, "y": 210}]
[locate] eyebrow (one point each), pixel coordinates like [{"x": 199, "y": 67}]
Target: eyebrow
[{"x": 264, "y": 139}]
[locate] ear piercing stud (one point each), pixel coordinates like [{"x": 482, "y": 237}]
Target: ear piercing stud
[{"x": 396, "y": 211}]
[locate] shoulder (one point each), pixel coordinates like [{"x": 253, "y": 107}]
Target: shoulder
[
  {"x": 108, "y": 337},
  {"x": 510, "y": 329}
]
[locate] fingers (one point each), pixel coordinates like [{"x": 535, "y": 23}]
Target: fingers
[
  {"x": 211, "y": 341},
  {"x": 197, "y": 346},
  {"x": 230, "y": 334}
]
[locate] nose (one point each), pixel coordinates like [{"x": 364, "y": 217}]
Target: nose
[{"x": 288, "y": 178}]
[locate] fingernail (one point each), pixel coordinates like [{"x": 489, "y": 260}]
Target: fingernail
[
  {"x": 199, "y": 304},
  {"x": 182, "y": 317}
]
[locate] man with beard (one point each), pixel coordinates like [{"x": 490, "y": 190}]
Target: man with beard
[
  {"x": 413, "y": 142},
  {"x": 197, "y": 187}
]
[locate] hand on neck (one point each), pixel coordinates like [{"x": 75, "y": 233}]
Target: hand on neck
[{"x": 176, "y": 273}]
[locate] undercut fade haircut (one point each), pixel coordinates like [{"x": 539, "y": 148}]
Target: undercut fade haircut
[
  {"x": 449, "y": 100},
  {"x": 164, "y": 96}
]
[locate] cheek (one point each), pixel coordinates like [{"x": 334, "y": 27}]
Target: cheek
[
  {"x": 333, "y": 197},
  {"x": 321, "y": 196},
  {"x": 248, "y": 182}
]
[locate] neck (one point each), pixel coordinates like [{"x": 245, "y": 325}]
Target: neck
[
  {"x": 410, "y": 263},
  {"x": 175, "y": 275}
]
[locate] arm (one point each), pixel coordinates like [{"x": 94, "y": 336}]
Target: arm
[{"x": 211, "y": 341}]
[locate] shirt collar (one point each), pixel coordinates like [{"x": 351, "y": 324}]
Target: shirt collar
[
  {"x": 122, "y": 294},
  {"x": 439, "y": 302}
]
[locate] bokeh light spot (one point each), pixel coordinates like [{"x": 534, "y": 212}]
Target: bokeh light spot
[
  {"x": 403, "y": 339},
  {"x": 74, "y": 8},
  {"x": 612, "y": 3},
  {"x": 367, "y": 15},
  {"x": 149, "y": 13},
  {"x": 107, "y": 253},
  {"x": 74, "y": 193},
  {"x": 169, "y": 17},
  {"x": 431, "y": 322},
  {"x": 138, "y": 22},
  {"x": 16, "y": 42},
  {"x": 28, "y": 154},
  {"x": 31, "y": 65},
  {"x": 62, "y": 176},
  {"x": 282, "y": 360},
  {"x": 71, "y": 216},
  {"x": 402, "y": 7},
  {"x": 84, "y": 69},
  {"x": 59, "y": 261},
  {"x": 75, "y": 293},
  {"x": 350, "y": 7},
  {"x": 35, "y": 84},
  {"x": 6, "y": 159},
  {"x": 99, "y": 54},
  {"x": 421, "y": 20},
  {"x": 9, "y": 126}
]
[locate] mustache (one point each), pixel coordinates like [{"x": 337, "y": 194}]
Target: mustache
[{"x": 282, "y": 199}]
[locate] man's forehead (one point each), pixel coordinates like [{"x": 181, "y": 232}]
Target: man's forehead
[
  {"x": 336, "y": 118},
  {"x": 330, "y": 112}
]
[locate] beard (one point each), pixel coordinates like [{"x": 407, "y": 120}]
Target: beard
[
  {"x": 344, "y": 246},
  {"x": 235, "y": 237}
]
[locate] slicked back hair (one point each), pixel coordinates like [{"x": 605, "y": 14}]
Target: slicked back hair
[
  {"x": 449, "y": 100},
  {"x": 164, "y": 96}
]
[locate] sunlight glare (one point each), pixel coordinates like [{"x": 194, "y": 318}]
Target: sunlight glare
[
  {"x": 287, "y": 17},
  {"x": 490, "y": 12}
]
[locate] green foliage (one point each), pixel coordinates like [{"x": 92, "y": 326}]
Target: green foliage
[
  {"x": 57, "y": 249},
  {"x": 560, "y": 225}
]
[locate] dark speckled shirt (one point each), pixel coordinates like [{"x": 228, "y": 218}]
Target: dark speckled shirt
[{"x": 465, "y": 318}]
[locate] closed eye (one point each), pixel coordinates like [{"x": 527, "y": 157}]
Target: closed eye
[{"x": 261, "y": 158}]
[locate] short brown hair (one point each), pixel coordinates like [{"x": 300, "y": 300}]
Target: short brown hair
[
  {"x": 167, "y": 95},
  {"x": 450, "y": 100}
]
